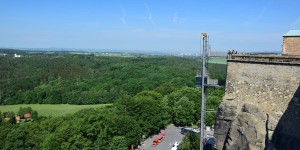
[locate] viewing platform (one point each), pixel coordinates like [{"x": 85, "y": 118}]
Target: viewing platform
[{"x": 265, "y": 58}]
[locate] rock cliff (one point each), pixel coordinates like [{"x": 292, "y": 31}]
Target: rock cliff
[{"x": 261, "y": 107}]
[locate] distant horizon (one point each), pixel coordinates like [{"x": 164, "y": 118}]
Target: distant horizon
[
  {"x": 97, "y": 50},
  {"x": 91, "y": 50},
  {"x": 135, "y": 50},
  {"x": 162, "y": 26}
]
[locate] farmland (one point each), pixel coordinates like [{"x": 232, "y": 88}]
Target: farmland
[
  {"x": 217, "y": 60},
  {"x": 50, "y": 109}
]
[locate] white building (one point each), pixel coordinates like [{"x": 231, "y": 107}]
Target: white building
[{"x": 17, "y": 56}]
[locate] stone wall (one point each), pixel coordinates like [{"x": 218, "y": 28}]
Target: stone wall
[
  {"x": 258, "y": 98},
  {"x": 291, "y": 45}
]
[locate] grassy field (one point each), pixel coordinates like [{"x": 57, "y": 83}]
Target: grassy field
[
  {"x": 50, "y": 109},
  {"x": 217, "y": 60},
  {"x": 105, "y": 54}
]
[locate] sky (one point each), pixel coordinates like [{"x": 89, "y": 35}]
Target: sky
[{"x": 169, "y": 26}]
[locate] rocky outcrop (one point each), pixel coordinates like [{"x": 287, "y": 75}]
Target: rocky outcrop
[
  {"x": 261, "y": 107},
  {"x": 248, "y": 130},
  {"x": 253, "y": 129},
  {"x": 226, "y": 114}
]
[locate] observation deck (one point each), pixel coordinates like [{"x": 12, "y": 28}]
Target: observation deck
[{"x": 265, "y": 59}]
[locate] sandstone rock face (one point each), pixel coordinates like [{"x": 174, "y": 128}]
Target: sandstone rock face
[
  {"x": 226, "y": 114},
  {"x": 248, "y": 130},
  {"x": 261, "y": 107}
]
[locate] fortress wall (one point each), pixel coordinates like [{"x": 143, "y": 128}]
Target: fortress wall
[
  {"x": 291, "y": 45},
  {"x": 269, "y": 87},
  {"x": 262, "y": 91}
]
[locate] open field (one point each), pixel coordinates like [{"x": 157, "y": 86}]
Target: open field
[
  {"x": 50, "y": 109},
  {"x": 217, "y": 60},
  {"x": 104, "y": 54}
]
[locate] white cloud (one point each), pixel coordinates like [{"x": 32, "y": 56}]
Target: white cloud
[
  {"x": 150, "y": 18},
  {"x": 176, "y": 19},
  {"x": 123, "y": 19}
]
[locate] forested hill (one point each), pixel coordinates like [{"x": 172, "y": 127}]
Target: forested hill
[
  {"x": 55, "y": 78},
  {"x": 147, "y": 92}
]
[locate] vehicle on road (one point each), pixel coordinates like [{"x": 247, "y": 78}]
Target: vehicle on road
[
  {"x": 210, "y": 143},
  {"x": 159, "y": 138},
  {"x": 175, "y": 146},
  {"x": 185, "y": 130}
]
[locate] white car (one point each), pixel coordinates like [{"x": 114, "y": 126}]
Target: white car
[
  {"x": 175, "y": 146},
  {"x": 196, "y": 130}
]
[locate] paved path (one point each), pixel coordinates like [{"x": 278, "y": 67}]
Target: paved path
[{"x": 172, "y": 135}]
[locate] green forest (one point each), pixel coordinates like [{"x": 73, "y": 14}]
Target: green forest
[{"x": 147, "y": 93}]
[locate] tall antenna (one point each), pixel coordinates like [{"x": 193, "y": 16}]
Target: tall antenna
[{"x": 203, "y": 100}]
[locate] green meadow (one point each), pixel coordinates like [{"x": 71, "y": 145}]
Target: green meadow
[
  {"x": 50, "y": 109},
  {"x": 220, "y": 60}
]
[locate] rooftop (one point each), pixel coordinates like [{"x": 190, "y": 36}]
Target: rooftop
[{"x": 293, "y": 33}]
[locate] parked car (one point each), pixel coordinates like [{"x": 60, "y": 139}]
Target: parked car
[
  {"x": 175, "y": 146},
  {"x": 185, "y": 130}
]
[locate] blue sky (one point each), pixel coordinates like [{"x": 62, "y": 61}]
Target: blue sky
[{"x": 171, "y": 26}]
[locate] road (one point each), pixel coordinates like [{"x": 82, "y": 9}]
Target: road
[{"x": 172, "y": 135}]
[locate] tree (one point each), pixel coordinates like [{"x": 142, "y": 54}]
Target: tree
[
  {"x": 1, "y": 117},
  {"x": 24, "y": 110},
  {"x": 118, "y": 143},
  {"x": 166, "y": 88},
  {"x": 128, "y": 127},
  {"x": 184, "y": 112},
  {"x": 193, "y": 94},
  {"x": 15, "y": 139},
  {"x": 190, "y": 141},
  {"x": 6, "y": 128},
  {"x": 124, "y": 105},
  {"x": 210, "y": 118},
  {"x": 148, "y": 108},
  {"x": 34, "y": 115},
  {"x": 11, "y": 115},
  {"x": 27, "y": 135},
  {"x": 103, "y": 140},
  {"x": 214, "y": 98},
  {"x": 51, "y": 142},
  {"x": 150, "y": 111},
  {"x": 78, "y": 79}
]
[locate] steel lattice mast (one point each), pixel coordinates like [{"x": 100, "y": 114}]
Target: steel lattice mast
[{"x": 203, "y": 100}]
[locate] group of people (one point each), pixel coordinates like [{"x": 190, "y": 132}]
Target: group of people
[{"x": 230, "y": 52}]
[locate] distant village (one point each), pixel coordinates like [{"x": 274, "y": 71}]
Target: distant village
[
  {"x": 15, "y": 55},
  {"x": 19, "y": 119},
  {"x": 24, "y": 114}
]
